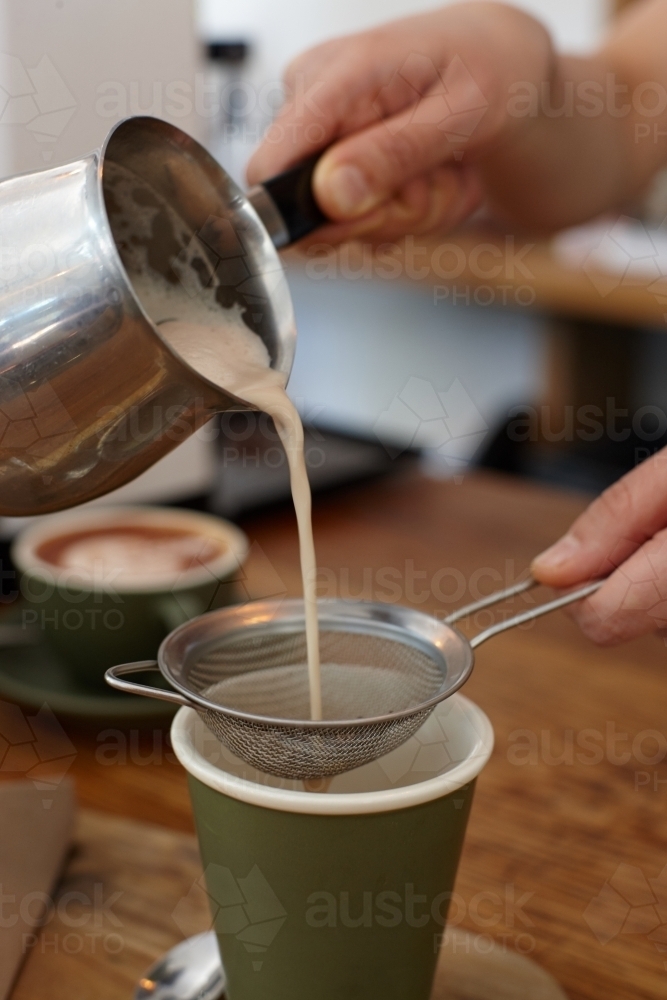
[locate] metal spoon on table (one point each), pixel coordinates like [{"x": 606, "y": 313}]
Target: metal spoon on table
[{"x": 189, "y": 971}]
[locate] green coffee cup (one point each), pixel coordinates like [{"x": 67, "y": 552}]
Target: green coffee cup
[
  {"x": 341, "y": 893},
  {"x": 98, "y": 618}
]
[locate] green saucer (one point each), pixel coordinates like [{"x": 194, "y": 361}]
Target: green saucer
[{"x": 32, "y": 676}]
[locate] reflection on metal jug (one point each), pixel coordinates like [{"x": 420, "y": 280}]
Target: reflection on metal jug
[{"x": 90, "y": 395}]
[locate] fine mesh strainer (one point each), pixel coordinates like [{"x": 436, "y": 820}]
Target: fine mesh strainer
[{"x": 384, "y": 669}]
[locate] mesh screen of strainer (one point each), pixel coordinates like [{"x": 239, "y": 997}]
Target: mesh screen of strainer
[
  {"x": 263, "y": 673},
  {"x": 380, "y": 682}
]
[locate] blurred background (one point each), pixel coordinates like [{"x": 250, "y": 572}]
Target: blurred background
[{"x": 457, "y": 370}]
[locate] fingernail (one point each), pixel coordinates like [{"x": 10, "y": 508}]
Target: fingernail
[
  {"x": 348, "y": 190},
  {"x": 565, "y": 548}
]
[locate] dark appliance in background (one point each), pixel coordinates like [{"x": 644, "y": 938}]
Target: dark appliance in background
[
  {"x": 228, "y": 56},
  {"x": 253, "y": 470},
  {"x": 604, "y": 412}
]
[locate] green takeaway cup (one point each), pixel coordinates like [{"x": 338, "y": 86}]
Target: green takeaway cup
[{"x": 340, "y": 892}]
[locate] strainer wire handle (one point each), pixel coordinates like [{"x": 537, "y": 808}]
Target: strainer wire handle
[
  {"x": 114, "y": 676},
  {"x": 495, "y": 598},
  {"x": 542, "y": 609}
]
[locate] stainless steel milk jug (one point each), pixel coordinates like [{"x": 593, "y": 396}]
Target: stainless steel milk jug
[{"x": 90, "y": 395}]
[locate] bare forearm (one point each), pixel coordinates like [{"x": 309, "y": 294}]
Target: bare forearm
[
  {"x": 572, "y": 161},
  {"x": 596, "y": 130},
  {"x": 426, "y": 117}
]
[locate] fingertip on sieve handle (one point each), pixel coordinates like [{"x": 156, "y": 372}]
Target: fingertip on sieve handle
[{"x": 114, "y": 678}]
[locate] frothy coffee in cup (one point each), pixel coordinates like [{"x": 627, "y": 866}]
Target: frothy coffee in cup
[
  {"x": 131, "y": 554},
  {"x": 131, "y": 549},
  {"x": 106, "y": 584}
]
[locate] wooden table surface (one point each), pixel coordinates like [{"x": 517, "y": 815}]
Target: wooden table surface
[{"x": 568, "y": 835}]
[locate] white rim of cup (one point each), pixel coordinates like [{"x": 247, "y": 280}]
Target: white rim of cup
[
  {"x": 24, "y": 555},
  {"x": 333, "y": 803}
]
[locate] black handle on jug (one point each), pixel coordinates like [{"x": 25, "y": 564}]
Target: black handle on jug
[{"x": 286, "y": 203}]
